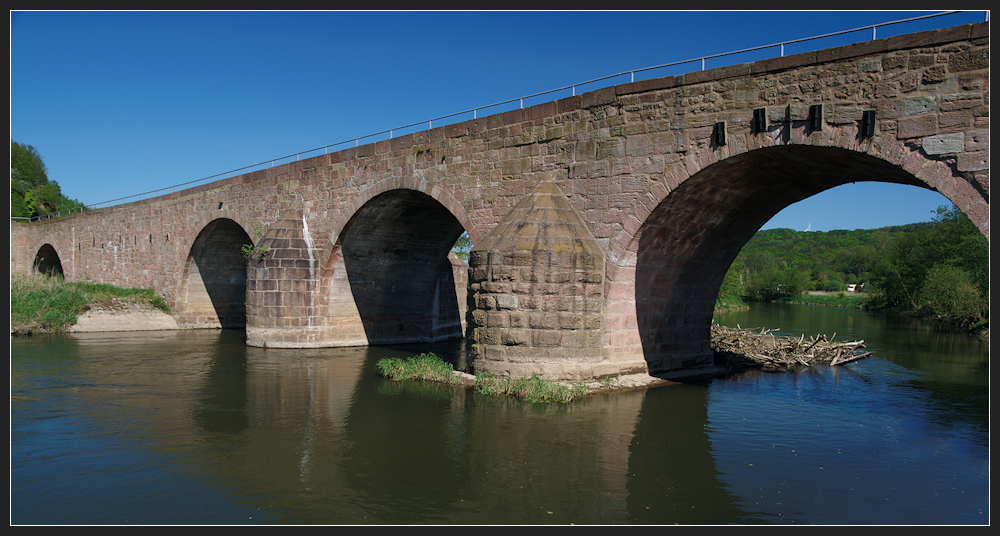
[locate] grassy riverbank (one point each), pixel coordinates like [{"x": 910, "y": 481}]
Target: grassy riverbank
[
  {"x": 725, "y": 304},
  {"x": 831, "y": 299},
  {"x": 42, "y": 304}
]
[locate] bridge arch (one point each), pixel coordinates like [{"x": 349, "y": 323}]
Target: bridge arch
[
  {"x": 377, "y": 188},
  {"x": 665, "y": 281},
  {"x": 47, "y": 261},
  {"x": 900, "y": 163},
  {"x": 212, "y": 289},
  {"x": 393, "y": 258}
]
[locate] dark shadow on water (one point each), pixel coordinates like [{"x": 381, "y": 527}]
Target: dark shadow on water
[{"x": 221, "y": 406}]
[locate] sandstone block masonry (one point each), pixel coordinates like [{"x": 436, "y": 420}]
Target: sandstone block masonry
[
  {"x": 665, "y": 179},
  {"x": 536, "y": 294}
]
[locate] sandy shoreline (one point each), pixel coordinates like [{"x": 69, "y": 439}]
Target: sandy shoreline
[{"x": 123, "y": 317}]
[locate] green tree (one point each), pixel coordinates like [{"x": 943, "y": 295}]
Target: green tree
[
  {"x": 948, "y": 293},
  {"x": 27, "y": 165},
  {"x": 25, "y": 204},
  {"x": 31, "y": 192},
  {"x": 941, "y": 269},
  {"x": 960, "y": 244},
  {"x": 775, "y": 283},
  {"x": 899, "y": 271},
  {"x": 902, "y": 267},
  {"x": 732, "y": 283},
  {"x": 463, "y": 246}
]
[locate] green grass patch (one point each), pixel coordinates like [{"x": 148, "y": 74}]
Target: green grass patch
[
  {"x": 427, "y": 366},
  {"x": 430, "y": 367},
  {"x": 43, "y": 304},
  {"x": 533, "y": 389},
  {"x": 725, "y": 304}
]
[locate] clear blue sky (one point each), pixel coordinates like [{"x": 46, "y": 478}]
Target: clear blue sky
[{"x": 121, "y": 103}]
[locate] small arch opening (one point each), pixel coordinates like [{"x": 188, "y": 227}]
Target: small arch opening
[
  {"x": 47, "y": 262},
  {"x": 213, "y": 288}
]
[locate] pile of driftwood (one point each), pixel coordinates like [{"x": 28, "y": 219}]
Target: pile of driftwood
[{"x": 743, "y": 347}]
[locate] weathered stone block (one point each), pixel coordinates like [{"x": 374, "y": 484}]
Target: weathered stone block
[
  {"x": 944, "y": 143},
  {"x": 977, "y": 140},
  {"x": 506, "y": 301},
  {"x": 518, "y": 319},
  {"x": 477, "y": 318},
  {"x": 919, "y": 105},
  {"x": 495, "y": 288},
  {"x": 919, "y": 61},
  {"x": 546, "y": 338},
  {"x": 973, "y": 161},
  {"x": 969, "y": 61},
  {"x": 954, "y": 120},
  {"x": 960, "y": 101},
  {"x": 570, "y": 321},
  {"x": 934, "y": 75},
  {"x": 516, "y": 337},
  {"x": 916, "y": 127},
  {"x": 495, "y": 319},
  {"x": 543, "y": 320}
]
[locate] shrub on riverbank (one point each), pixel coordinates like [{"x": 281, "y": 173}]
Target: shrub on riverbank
[
  {"x": 43, "y": 304},
  {"x": 727, "y": 303}
]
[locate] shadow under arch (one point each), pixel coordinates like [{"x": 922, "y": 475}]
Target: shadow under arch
[
  {"x": 686, "y": 245},
  {"x": 47, "y": 262},
  {"x": 395, "y": 251},
  {"x": 214, "y": 279}
]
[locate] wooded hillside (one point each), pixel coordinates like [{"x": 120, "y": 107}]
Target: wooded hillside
[
  {"x": 32, "y": 194},
  {"x": 938, "y": 268}
]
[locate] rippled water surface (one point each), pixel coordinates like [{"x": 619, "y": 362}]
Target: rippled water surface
[{"x": 193, "y": 427}]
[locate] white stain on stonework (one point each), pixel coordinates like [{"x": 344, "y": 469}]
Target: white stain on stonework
[{"x": 312, "y": 268}]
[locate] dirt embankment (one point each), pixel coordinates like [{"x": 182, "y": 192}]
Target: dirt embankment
[{"x": 123, "y": 316}]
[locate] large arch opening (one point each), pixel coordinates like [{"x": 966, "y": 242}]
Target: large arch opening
[
  {"x": 47, "y": 262},
  {"x": 397, "y": 252},
  {"x": 686, "y": 245},
  {"x": 214, "y": 280}
]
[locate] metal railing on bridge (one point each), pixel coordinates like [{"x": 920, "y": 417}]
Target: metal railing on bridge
[{"x": 430, "y": 123}]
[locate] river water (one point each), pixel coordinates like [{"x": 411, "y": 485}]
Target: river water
[{"x": 194, "y": 427}]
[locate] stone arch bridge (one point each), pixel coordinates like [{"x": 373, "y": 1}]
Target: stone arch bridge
[{"x": 603, "y": 223}]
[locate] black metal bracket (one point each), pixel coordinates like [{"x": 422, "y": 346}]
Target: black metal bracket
[
  {"x": 868, "y": 124},
  {"x": 719, "y": 134},
  {"x": 759, "y": 123},
  {"x": 816, "y": 117}
]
